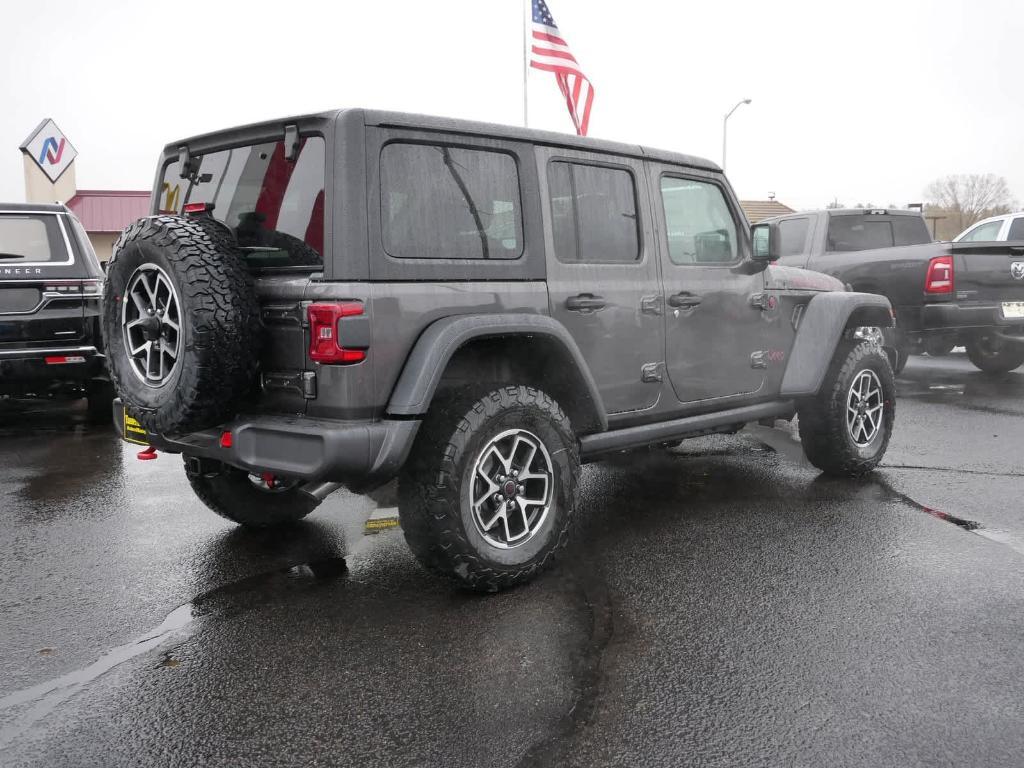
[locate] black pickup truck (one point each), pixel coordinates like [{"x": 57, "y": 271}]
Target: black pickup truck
[
  {"x": 50, "y": 288},
  {"x": 944, "y": 294}
]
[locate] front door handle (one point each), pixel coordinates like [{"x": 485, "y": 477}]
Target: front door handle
[
  {"x": 684, "y": 300},
  {"x": 585, "y": 302}
]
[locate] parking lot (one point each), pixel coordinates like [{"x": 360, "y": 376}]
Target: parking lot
[{"x": 722, "y": 605}]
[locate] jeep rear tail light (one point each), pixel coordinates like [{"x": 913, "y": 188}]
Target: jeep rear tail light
[
  {"x": 327, "y": 333},
  {"x": 189, "y": 208},
  {"x": 940, "y": 275}
]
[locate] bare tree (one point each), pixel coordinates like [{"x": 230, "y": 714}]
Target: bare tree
[{"x": 969, "y": 197}]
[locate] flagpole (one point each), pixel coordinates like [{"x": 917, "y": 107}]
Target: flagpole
[{"x": 527, "y": 15}]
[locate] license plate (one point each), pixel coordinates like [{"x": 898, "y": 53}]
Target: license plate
[
  {"x": 1013, "y": 309},
  {"x": 133, "y": 431}
]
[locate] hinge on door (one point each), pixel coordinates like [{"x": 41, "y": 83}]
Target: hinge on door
[
  {"x": 650, "y": 372},
  {"x": 283, "y": 314},
  {"x": 650, "y": 305},
  {"x": 300, "y": 382}
]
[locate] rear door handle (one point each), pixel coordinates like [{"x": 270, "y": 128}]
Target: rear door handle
[
  {"x": 585, "y": 302},
  {"x": 684, "y": 300}
]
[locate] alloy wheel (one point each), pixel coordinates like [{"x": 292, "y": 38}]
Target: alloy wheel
[
  {"x": 865, "y": 405},
  {"x": 511, "y": 488},
  {"x": 151, "y": 325}
]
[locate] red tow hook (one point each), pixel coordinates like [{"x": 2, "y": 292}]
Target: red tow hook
[
  {"x": 269, "y": 479},
  {"x": 147, "y": 455}
]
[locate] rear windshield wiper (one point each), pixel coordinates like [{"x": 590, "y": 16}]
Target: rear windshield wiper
[{"x": 13, "y": 256}]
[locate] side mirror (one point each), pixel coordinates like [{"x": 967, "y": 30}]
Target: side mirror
[{"x": 765, "y": 241}]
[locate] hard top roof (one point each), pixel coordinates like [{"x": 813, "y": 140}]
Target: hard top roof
[
  {"x": 32, "y": 207},
  {"x": 844, "y": 212},
  {"x": 452, "y": 125}
]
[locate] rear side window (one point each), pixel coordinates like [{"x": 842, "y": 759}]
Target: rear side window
[
  {"x": 441, "y": 202},
  {"x": 792, "y": 236},
  {"x": 593, "y": 210},
  {"x": 701, "y": 229},
  {"x": 274, "y": 206},
  {"x": 1016, "y": 229},
  {"x": 984, "y": 232},
  {"x": 30, "y": 240}
]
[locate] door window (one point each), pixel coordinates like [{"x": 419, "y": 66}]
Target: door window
[
  {"x": 792, "y": 236},
  {"x": 700, "y": 226},
  {"x": 441, "y": 202},
  {"x": 593, "y": 214},
  {"x": 1016, "y": 229}
]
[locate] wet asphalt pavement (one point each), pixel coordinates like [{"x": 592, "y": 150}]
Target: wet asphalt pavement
[{"x": 722, "y": 605}]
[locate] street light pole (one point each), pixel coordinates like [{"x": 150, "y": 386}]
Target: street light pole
[{"x": 725, "y": 125}]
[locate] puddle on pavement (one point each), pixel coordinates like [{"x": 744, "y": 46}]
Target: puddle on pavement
[{"x": 261, "y": 588}]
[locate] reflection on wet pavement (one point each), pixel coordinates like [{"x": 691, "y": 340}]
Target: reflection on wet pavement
[{"x": 255, "y": 591}]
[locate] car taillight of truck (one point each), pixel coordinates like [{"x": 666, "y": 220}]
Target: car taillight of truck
[{"x": 939, "y": 278}]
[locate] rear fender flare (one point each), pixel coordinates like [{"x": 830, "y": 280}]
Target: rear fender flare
[
  {"x": 821, "y": 327},
  {"x": 435, "y": 347}
]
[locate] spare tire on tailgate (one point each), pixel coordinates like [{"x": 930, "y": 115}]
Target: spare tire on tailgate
[{"x": 180, "y": 323}]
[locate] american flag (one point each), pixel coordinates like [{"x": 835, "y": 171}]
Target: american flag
[{"x": 551, "y": 53}]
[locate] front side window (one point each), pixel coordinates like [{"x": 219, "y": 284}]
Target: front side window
[
  {"x": 440, "y": 202},
  {"x": 29, "y": 240},
  {"x": 792, "y": 236},
  {"x": 273, "y": 206},
  {"x": 700, "y": 226},
  {"x": 1016, "y": 229},
  {"x": 983, "y": 233},
  {"x": 593, "y": 213}
]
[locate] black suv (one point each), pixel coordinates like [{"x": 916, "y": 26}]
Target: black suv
[
  {"x": 50, "y": 288},
  {"x": 350, "y": 297}
]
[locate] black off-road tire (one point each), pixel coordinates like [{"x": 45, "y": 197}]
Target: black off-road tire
[
  {"x": 219, "y": 317},
  {"x": 234, "y": 496},
  {"x": 939, "y": 346},
  {"x": 827, "y": 441},
  {"x": 993, "y": 355},
  {"x": 902, "y": 357},
  {"x": 434, "y": 506}
]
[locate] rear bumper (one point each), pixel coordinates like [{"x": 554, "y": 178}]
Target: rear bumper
[
  {"x": 42, "y": 364},
  {"x": 970, "y": 317},
  {"x": 359, "y": 454}
]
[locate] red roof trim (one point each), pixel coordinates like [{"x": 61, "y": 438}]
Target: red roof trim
[{"x": 108, "y": 210}]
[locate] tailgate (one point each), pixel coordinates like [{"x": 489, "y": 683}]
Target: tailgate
[
  {"x": 43, "y": 290},
  {"x": 988, "y": 272},
  {"x": 36, "y": 311}
]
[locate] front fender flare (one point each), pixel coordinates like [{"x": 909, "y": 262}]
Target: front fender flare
[
  {"x": 821, "y": 327},
  {"x": 442, "y": 338}
]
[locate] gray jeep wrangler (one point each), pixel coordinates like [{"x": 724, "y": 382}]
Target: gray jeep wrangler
[{"x": 352, "y": 297}]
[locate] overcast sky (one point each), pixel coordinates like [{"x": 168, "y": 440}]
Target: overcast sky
[{"x": 860, "y": 101}]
